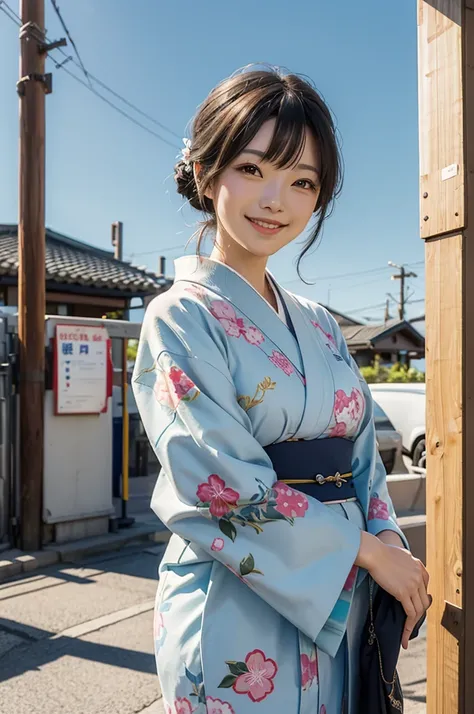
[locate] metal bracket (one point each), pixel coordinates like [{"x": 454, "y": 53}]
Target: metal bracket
[
  {"x": 46, "y": 79},
  {"x": 453, "y": 620},
  {"x": 48, "y": 46},
  {"x": 32, "y": 29}
]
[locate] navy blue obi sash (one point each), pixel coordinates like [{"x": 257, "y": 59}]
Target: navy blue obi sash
[{"x": 321, "y": 468}]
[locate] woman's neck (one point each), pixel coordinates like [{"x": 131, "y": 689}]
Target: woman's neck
[{"x": 249, "y": 266}]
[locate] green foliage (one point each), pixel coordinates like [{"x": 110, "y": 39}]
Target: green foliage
[
  {"x": 132, "y": 350},
  {"x": 376, "y": 373}
]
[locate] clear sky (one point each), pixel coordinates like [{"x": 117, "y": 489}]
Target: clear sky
[{"x": 165, "y": 57}]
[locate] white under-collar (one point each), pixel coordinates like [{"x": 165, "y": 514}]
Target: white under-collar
[{"x": 271, "y": 280}]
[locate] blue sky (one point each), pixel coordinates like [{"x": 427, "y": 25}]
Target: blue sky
[{"x": 165, "y": 57}]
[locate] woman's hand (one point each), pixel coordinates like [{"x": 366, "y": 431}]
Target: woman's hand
[{"x": 400, "y": 574}]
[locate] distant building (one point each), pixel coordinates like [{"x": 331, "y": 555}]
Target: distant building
[{"x": 81, "y": 280}]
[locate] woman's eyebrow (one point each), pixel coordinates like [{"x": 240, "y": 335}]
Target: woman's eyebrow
[{"x": 261, "y": 154}]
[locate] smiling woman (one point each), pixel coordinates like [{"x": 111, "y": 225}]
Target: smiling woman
[
  {"x": 271, "y": 481},
  {"x": 249, "y": 128}
]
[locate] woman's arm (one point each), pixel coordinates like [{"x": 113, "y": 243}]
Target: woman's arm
[
  {"x": 384, "y": 550},
  {"x": 399, "y": 573},
  {"x": 391, "y": 538},
  {"x": 217, "y": 487}
]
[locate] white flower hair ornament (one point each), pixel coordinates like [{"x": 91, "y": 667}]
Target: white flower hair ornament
[{"x": 186, "y": 153}]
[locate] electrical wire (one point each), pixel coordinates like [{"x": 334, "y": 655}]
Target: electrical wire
[
  {"x": 68, "y": 34},
  {"x": 114, "y": 106},
  {"x": 343, "y": 275},
  {"x": 156, "y": 252},
  {"x": 123, "y": 99},
  {"x": 5, "y": 7},
  {"x": 363, "y": 309}
]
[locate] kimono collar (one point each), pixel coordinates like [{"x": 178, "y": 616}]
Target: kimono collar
[
  {"x": 306, "y": 351},
  {"x": 234, "y": 288}
]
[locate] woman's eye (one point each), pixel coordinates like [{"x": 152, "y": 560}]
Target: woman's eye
[
  {"x": 250, "y": 169},
  {"x": 306, "y": 184}
]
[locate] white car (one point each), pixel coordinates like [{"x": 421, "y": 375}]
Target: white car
[
  {"x": 389, "y": 441},
  {"x": 405, "y": 406}
]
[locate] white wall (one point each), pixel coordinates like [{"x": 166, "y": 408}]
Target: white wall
[{"x": 77, "y": 464}]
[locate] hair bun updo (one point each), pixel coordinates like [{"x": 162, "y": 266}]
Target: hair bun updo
[{"x": 186, "y": 183}]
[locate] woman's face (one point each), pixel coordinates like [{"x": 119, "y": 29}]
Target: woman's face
[{"x": 260, "y": 206}]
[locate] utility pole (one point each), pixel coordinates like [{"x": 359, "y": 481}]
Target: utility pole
[
  {"x": 387, "y": 310},
  {"x": 32, "y": 86},
  {"x": 31, "y": 270},
  {"x": 402, "y": 277}
]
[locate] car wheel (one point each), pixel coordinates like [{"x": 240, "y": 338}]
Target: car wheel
[{"x": 419, "y": 454}]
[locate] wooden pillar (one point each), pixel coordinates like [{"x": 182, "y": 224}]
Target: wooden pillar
[
  {"x": 446, "y": 102},
  {"x": 31, "y": 268}
]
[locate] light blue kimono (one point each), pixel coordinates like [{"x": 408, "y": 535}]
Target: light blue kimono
[{"x": 259, "y": 607}]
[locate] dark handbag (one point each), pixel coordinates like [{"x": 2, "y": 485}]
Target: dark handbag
[{"x": 380, "y": 688}]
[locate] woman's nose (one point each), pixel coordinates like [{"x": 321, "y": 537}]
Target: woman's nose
[{"x": 272, "y": 199}]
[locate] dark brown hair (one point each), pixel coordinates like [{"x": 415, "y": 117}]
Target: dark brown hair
[{"x": 232, "y": 115}]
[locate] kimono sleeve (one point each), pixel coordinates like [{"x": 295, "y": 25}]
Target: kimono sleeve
[
  {"x": 368, "y": 466},
  {"x": 217, "y": 487}
]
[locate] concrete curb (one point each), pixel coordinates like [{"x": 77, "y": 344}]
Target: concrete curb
[{"x": 15, "y": 562}]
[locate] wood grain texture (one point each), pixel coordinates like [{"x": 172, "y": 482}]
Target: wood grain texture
[
  {"x": 444, "y": 462},
  {"x": 441, "y": 116}
]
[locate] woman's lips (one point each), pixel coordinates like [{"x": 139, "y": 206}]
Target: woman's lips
[{"x": 265, "y": 227}]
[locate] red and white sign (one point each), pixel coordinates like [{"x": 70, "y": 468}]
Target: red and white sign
[{"x": 82, "y": 361}]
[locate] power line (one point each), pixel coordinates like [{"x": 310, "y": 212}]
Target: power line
[
  {"x": 370, "y": 282},
  {"x": 367, "y": 307},
  {"x": 68, "y": 34},
  {"x": 343, "y": 275},
  {"x": 124, "y": 100},
  {"x": 5, "y": 7},
  {"x": 114, "y": 106},
  {"x": 157, "y": 252}
]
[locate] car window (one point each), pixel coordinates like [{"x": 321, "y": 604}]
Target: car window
[{"x": 380, "y": 417}]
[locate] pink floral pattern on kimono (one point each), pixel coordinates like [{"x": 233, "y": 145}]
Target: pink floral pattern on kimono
[
  {"x": 233, "y": 325},
  {"x": 326, "y": 334},
  {"x": 378, "y": 509},
  {"x": 282, "y": 362},
  {"x": 217, "y": 544},
  {"x": 309, "y": 670},
  {"x": 183, "y": 706},
  {"x": 351, "y": 578},
  {"x": 172, "y": 387},
  {"x": 290, "y": 503},
  {"x": 196, "y": 290},
  {"x": 257, "y": 683},
  {"x": 221, "y": 499},
  {"x": 158, "y": 625},
  {"x": 216, "y": 706},
  {"x": 348, "y": 412}
]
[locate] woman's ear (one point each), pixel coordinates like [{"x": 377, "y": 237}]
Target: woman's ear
[{"x": 197, "y": 168}]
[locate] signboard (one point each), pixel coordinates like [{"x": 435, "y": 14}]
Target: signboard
[{"x": 82, "y": 369}]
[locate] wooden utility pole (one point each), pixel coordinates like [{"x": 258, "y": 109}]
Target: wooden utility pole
[
  {"x": 402, "y": 277},
  {"x": 446, "y": 103},
  {"x": 31, "y": 270}
]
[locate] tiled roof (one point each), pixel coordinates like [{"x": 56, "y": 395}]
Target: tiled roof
[
  {"x": 341, "y": 318},
  {"x": 74, "y": 262},
  {"x": 366, "y": 335}
]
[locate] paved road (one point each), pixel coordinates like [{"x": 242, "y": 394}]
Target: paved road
[{"x": 78, "y": 640}]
